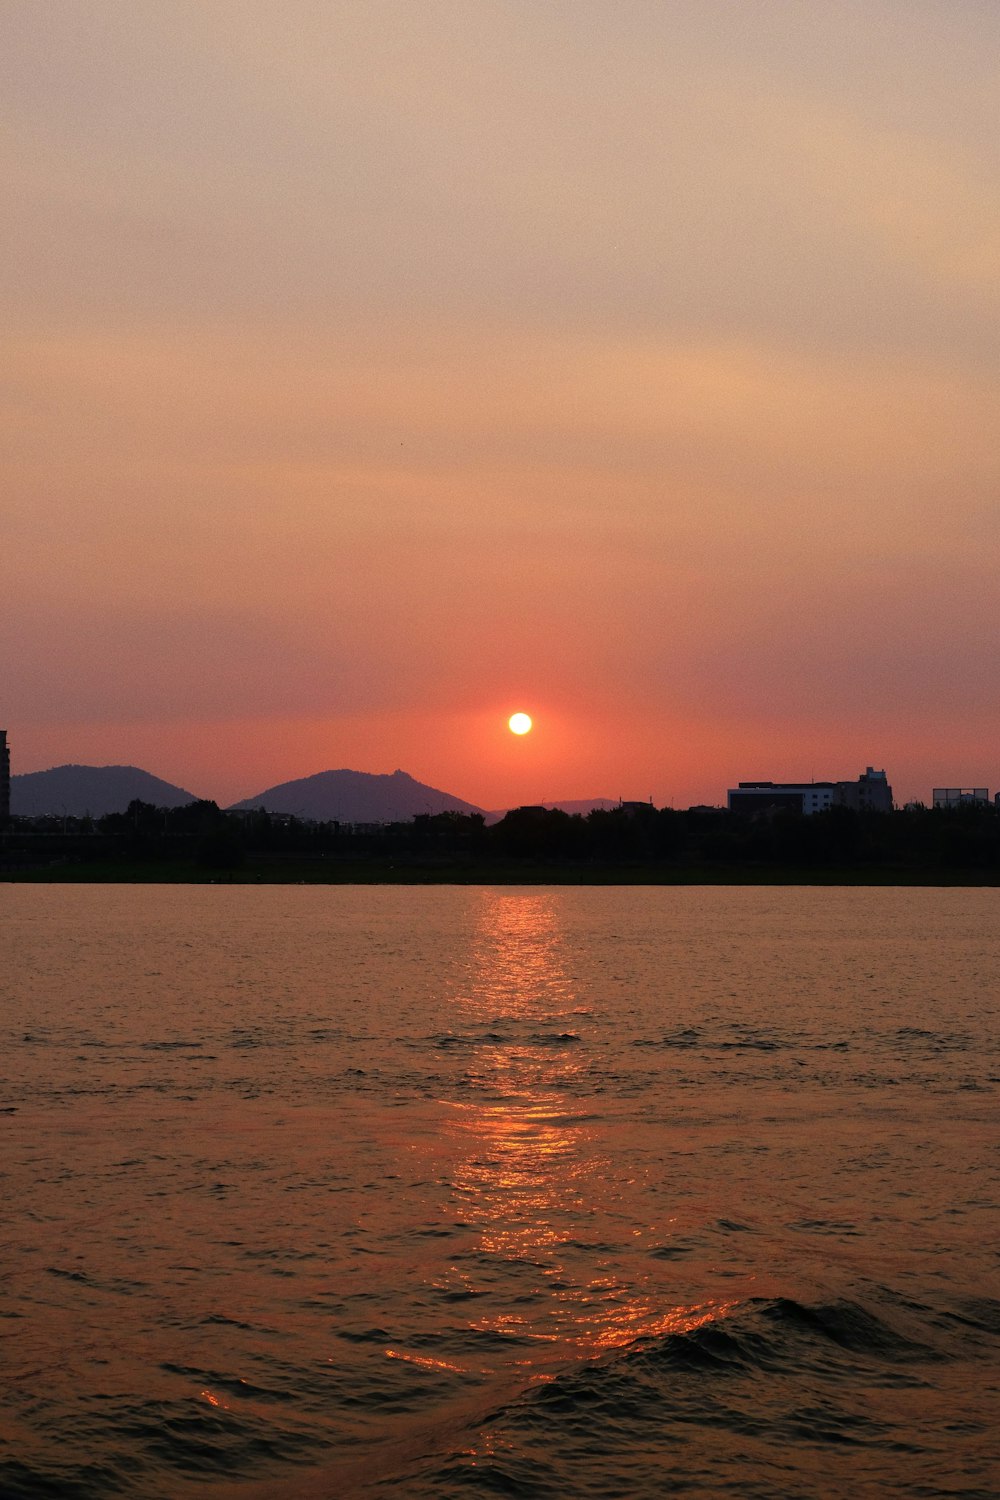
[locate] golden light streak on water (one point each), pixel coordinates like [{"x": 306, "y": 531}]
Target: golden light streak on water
[
  {"x": 530, "y": 1171},
  {"x": 426, "y": 1362}
]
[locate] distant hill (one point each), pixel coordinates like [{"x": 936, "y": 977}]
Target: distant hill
[
  {"x": 75, "y": 791},
  {"x": 329, "y": 796},
  {"x": 355, "y": 797},
  {"x": 583, "y": 806}
]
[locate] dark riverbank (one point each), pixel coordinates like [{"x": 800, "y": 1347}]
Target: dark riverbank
[
  {"x": 530, "y": 846},
  {"x": 511, "y": 872}
]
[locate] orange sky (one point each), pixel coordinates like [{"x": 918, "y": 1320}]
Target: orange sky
[{"x": 373, "y": 371}]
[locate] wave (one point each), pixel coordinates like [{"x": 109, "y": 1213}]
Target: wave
[
  {"x": 778, "y": 1397},
  {"x": 491, "y": 1038}
]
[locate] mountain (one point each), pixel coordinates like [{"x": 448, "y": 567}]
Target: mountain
[
  {"x": 75, "y": 791},
  {"x": 329, "y": 796},
  {"x": 355, "y": 797}
]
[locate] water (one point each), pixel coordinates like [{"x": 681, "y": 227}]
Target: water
[{"x": 316, "y": 1192}]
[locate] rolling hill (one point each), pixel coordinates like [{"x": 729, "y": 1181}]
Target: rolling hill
[
  {"x": 79, "y": 791},
  {"x": 330, "y": 796},
  {"x": 355, "y": 797}
]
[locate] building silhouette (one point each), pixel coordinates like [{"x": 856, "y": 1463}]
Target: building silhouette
[
  {"x": 767, "y": 796},
  {"x": 4, "y": 780},
  {"x": 871, "y": 792}
]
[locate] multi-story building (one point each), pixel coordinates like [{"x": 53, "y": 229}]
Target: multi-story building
[
  {"x": 870, "y": 793},
  {"x": 798, "y": 796},
  {"x": 4, "y": 779}
]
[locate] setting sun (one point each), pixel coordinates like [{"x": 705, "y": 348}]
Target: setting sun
[{"x": 519, "y": 723}]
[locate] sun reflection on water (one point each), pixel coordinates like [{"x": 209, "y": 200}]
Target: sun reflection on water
[{"x": 554, "y": 1246}]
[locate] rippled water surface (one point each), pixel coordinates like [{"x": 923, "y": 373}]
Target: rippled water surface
[{"x": 316, "y": 1192}]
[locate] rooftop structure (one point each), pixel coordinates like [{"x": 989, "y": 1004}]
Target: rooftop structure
[
  {"x": 960, "y": 796},
  {"x": 636, "y": 809}
]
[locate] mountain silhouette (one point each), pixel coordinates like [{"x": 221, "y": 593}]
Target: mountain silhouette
[
  {"x": 355, "y": 797},
  {"x": 329, "y": 796},
  {"x": 76, "y": 791}
]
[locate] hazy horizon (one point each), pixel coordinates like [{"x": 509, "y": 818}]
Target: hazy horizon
[
  {"x": 288, "y": 781},
  {"x": 570, "y": 802},
  {"x": 374, "y": 372}
]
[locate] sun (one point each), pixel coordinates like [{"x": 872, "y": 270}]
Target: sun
[{"x": 519, "y": 723}]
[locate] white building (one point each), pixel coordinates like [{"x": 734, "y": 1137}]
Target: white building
[
  {"x": 871, "y": 792},
  {"x": 799, "y": 796}
]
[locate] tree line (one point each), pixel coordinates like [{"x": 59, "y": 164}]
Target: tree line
[{"x": 960, "y": 838}]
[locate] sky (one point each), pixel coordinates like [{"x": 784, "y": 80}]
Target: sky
[{"x": 376, "y": 369}]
